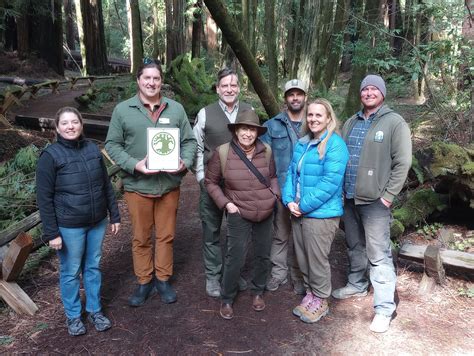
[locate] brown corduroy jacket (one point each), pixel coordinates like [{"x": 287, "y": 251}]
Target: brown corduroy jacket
[{"x": 241, "y": 187}]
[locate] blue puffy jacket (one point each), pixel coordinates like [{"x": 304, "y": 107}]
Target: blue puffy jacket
[{"x": 320, "y": 181}]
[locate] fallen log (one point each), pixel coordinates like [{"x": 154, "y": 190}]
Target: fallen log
[
  {"x": 451, "y": 259},
  {"x": 14, "y": 230}
]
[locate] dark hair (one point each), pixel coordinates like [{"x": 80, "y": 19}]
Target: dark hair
[
  {"x": 225, "y": 72},
  {"x": 149, "y": 63},
  {"x": 65, "y": 110}
]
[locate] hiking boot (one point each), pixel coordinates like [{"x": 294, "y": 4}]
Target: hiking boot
[
  {"x": 75, "y": 327},
  {"x": 380, "y": 323},
  {"x": 298, "y": 287},
  {"x": 141, "y": 294},
  {"x": 166, "y": 292},
  {"x": 274, "y": 283},
  {"x": 226, "y": 311},
  {"x": 100, "y": 321},
  {"x": 243, "y": 285},
  {"x": 348, "y": 292},
  {"x": 298, "y": 310},
  {"x": 213, "y": 288},
  {"x": 315, "y": 311},
  {"x": 258, "y": 304}
]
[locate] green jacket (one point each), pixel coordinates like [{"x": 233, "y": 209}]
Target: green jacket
[
  {"x": 385, "y": 157},
  {"x": 126, "y": 144}
]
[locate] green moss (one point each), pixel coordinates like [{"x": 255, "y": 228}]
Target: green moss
[
  {"x": 415, "y": 166},
  {"x": 447, "y": 158},
  {"x": 191, "y": 83},
  {"x": 396, "y": 229},
  {"x": 468, "y": 169},
  {"x": 418, "y": 207}
]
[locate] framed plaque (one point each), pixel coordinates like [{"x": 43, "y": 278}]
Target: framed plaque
[{"x": 163, "y": 148}]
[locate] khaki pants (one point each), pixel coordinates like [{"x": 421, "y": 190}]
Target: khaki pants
[
  {"x": 313, "y": 239},
  {"x": 281, "y": 244},
  {"x": 145, "y": 213}
]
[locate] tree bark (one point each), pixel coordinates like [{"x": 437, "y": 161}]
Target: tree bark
[
  {"x": 236, "y": 41},
  {"x": 175, "y": 29},
  {"x": 299, "y": 34},
  {"x": 336, "y": 42},
  {"x": 22, "y": 36},
  {"x": 272, "y": 56},
  {"x": 135, "y": 31},
  {"x": 95, "y": 58},
  {"x": 69, "y": 19},
  {"x": 47, "y": 35},
  {"x": 197, "y": 30},
  {"x": 309, "y": 41}
]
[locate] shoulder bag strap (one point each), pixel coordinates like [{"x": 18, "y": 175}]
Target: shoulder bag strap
[{"x": 250, "y": 165}]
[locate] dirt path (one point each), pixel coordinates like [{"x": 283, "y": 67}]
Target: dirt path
[{"x": 441, "y": 325}]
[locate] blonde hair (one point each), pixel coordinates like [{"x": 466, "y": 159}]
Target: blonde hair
[{"x": 332, "y": 127}]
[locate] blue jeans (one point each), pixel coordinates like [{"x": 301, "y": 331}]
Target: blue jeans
[
  {"x": 81, "y": 252},
  {"x": 367, "y": 229}
]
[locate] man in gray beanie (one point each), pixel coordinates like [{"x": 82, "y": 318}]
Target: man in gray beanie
[{"x": 379, "y": 143}]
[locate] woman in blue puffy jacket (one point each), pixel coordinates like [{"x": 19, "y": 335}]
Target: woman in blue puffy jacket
[{"x": 313, "y": 194}]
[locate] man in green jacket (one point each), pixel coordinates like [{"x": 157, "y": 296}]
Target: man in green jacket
[
  {"x": 152, "y": 196},
  {"x": 379, "y": 143}
]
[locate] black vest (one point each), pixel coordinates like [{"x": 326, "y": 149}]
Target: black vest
[
  {"x": 216, "y": 132},
  {"x": 79, "y": 198}
]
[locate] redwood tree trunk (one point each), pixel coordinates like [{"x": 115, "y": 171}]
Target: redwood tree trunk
[
  {"x": 135, "y": 30},
  {"x": 94, "y": 38},
  {"x": 70, "y": 28},
  {"x": 47, "y": 35},
  {"x": 197, "y": 30},
  {"x": 236, "y": 41},
  {"x": 270, "y": 35}
]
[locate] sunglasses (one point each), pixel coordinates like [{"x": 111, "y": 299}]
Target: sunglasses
[{"x": 147, "y": 60}]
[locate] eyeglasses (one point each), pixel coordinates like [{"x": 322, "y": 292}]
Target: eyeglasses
[{"x": 147, "y": 60}]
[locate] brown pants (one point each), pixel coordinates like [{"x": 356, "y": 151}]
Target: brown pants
[{"x": 146, "y": 212}]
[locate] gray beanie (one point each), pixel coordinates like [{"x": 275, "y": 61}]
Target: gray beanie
[{"x": 376, "y": 81}]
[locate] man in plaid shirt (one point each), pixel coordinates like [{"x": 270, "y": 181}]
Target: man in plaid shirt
[{"x": 379, "y": 143}]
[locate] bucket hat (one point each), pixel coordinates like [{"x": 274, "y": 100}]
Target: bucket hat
[{"x": 249, "y": 118}]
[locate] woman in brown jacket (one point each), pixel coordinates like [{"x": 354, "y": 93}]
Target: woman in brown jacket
[{"x": 248, "y": 201}]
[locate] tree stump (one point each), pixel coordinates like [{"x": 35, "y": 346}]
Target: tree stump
[{"x": 434, "y": 271}]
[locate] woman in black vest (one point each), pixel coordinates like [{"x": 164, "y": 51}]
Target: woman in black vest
[{"x": 74, "y": 194}]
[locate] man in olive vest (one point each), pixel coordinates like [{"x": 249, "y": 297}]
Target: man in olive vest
[{"x": 210, "y": 130}]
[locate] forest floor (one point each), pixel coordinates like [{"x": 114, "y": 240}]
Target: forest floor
[{"x": 441, "y": 323}]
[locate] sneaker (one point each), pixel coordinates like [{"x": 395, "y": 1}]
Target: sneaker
[
  {"x": 315, "y": 311},
  {"x": 141, "y": 294},
  {"x": 166, "y": 292},
  {"x": 75, "y": 327},
  {"x": 274, "y": 283},
  {"x": 380, "y": 324},
  {"x": 100, "y": 321},
  {"x": 213, "y": 288},
  {"x": 298, "y": 310},
  {"x": 298, "y": 287},
  {"x": 348, "y": 292}
]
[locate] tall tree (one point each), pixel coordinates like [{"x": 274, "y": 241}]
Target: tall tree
[
  {"x": 91, "y": 35},
  {"x": 175, "y": 28},
  {"x": 135, "y": 32},
  {"x": 272, "y": 56},
  {"x": 46, "y": 34},
  {"x": 247, "y": 60},
  {"x": 69, "y": 27},
  {"x": 336, "y": 42},
  {"x": 197, "y": 30},
  {"x": 366, "y": 41},
  {"x": 309, "y": 41}
]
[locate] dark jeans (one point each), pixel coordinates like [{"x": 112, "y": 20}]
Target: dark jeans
[
  {"x": 238, "y": 232},
  {"x": 211, "y": 219}
]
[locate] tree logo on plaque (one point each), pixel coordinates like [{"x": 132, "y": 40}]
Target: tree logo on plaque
[{"x": 163, "y": 143}]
